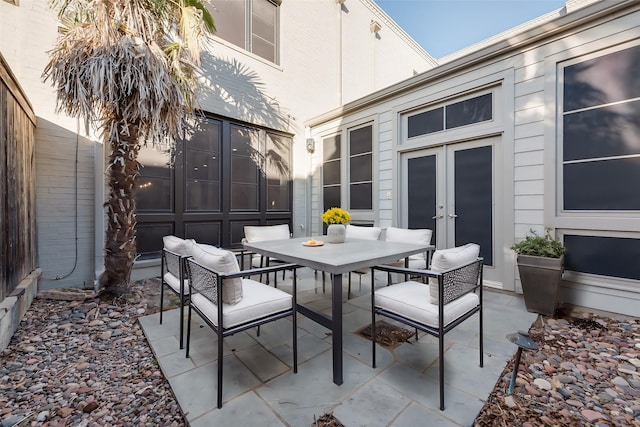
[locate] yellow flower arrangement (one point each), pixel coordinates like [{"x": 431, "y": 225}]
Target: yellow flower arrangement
[{"x": 336, "y": 216}]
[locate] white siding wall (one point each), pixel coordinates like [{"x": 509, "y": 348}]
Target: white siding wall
[
  {"x": 528, "y": 131},
  {"x": 241, "y": 86}
]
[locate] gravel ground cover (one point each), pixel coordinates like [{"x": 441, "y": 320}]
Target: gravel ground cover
[
  {"x": 87, "y": 363},
  {"x": 585, "y": 373}
]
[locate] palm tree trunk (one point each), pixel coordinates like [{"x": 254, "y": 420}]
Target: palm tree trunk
[{"x": 120, "y": 242}]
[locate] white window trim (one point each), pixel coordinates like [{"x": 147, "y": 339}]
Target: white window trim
[{"x": 554, "y": 213}]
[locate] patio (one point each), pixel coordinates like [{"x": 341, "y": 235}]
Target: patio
[{"x": 261, "y": 389}]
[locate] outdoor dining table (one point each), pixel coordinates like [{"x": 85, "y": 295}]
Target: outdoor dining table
[{"x": 336, "y": 259}]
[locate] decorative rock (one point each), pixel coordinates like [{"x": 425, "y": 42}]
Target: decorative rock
[
  {"x": 542, "y": 384},
  {"x": 619, "y": 381},
  {"x": 510, "y": 402}
]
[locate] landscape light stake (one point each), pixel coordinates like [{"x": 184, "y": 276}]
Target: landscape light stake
[{"x": 523, "y": 341}]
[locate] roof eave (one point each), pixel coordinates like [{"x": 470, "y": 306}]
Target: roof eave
[{"x": 519, "y": 41}]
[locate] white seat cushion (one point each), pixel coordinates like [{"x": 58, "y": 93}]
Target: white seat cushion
[
  {"x": 259, "y": 300},
  {"x": 221, "y": 261},
  {"x": 446, "y": 259},
  {"x": 412, "y": 300},
  {"x": 174, "y": 283},
  {"x": 177, "y": 245},
  {"x": 362, "y": 232},
  {"x": 261, "y": 233},
  {"x": 419, "y": 236}
]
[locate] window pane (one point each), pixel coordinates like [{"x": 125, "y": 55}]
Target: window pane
[
  {"x": 474, "y": 110},
  {"x": 263, "y": 29},
  {"x": 203, "y": 232},
  {"x": 331, "y": 173},
  {"x": 202, "y": 195},
  {"x": 427, "y": 122},
  {"x": 602, "y": 185},
  {"x": 244, "y": 170},
  {"x": 229, "y": 17},
  {"x": 360, "y": 141},
  {"x": 609, "y": 78},
  {"x": 278, "y": 172},
  {"x": 203, "y": 165},
  {"x": 602, "y": 132},
  {"x": 244, "y": 197},
  {"x": 278, "y": 198},
  {"x": 149, "y": 239},
  {"x": 606, "y": 256},
  {"x": 360, "y": 168},
  {"x": 263, "y": 48},
  {"x": 331, "y": 148},
  {"x": 361, "y": 196},
  {"x": 154, "y": 184},
  {"x": 331, "y": 197},
  {"x": 206, "y": 136},
  {"x": 246, "y": 161}
]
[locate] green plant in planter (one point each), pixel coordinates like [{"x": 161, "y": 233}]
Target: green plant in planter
[
  {"x": 536, "y": 245},
  {"x": 540, "y": 264}
]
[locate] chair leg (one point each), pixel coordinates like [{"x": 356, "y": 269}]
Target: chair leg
[
  {"x": 220, "y": 370},
  {"x": 188, "y": 331},
  {"x": 182, "y": 299},
  {"x": 295, "y": 325},
  {"x": 441, "y": 369},
  {"x": 161, "y": 298},
  {"x": 373, "y": 324},
  {"x": 349, "y": 287}
]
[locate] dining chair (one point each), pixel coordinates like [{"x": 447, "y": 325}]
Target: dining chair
[
  {"x": 453, "y": 294},
  {"x": 261, "y": 233},
  {"x": 173, "y": 273},
  {"x": 422, "y": 236},
  {"x": 229, "y": 301},
  {"x": 365, "y": 233}
]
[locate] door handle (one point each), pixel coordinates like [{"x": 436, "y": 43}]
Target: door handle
[
  {"x": 452, "y": 216},
  {"x": 437, "y": 216}
]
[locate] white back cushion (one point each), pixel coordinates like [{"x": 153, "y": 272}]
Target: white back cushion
[
  {"x": 260, "y": 233},
  {"x": 177, "y": 245},
  {"x": 221, "y": 261},
  {"x": 363, "y": 232},
  {"x": 446, "y": 259},
  {"x": 420, "y": 236}
]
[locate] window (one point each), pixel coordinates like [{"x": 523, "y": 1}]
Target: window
[
  {"x": 223, "y": 176},
  {"x": 249, "y": 24},
  {"x": 361, "y": 168},
  {"x": 600, "y": 147},
  {"x": 469, "y": 111},
  {"x": 331, "y": 172},
  {"x": 278, "y": 170}
]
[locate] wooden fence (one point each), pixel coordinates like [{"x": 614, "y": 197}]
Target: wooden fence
[{"x": 17, "y": 183}]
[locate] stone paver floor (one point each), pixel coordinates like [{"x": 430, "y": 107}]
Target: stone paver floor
[{"x": 260, "y": 387}]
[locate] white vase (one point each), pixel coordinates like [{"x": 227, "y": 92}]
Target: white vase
[{"x": 336, "y": 233}]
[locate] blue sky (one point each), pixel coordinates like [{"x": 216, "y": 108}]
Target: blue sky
[{"x": 444, "y": 26}]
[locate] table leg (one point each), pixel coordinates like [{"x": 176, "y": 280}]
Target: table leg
[{"x": 336, "y": 320}]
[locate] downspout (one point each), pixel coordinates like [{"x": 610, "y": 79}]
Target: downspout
[{"x": 339, "y": 4}]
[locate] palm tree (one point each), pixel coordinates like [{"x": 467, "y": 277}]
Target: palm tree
[{"x": 129, "y": 68}]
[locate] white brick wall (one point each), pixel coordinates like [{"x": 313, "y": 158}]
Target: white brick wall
[{"x": 240, "y": 86}]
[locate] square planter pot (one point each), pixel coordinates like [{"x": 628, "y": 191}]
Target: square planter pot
[{"x": 540, "y": 278}]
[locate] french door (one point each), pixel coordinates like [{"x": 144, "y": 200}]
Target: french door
[{"x": 451, "y": 189}]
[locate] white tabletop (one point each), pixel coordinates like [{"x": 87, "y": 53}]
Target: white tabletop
[{"x": 336, "y": 258}]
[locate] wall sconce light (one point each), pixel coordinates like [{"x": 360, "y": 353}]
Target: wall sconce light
[
  {"x": 375, "y": 26},
  {"x": 311, "y": 145}
]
